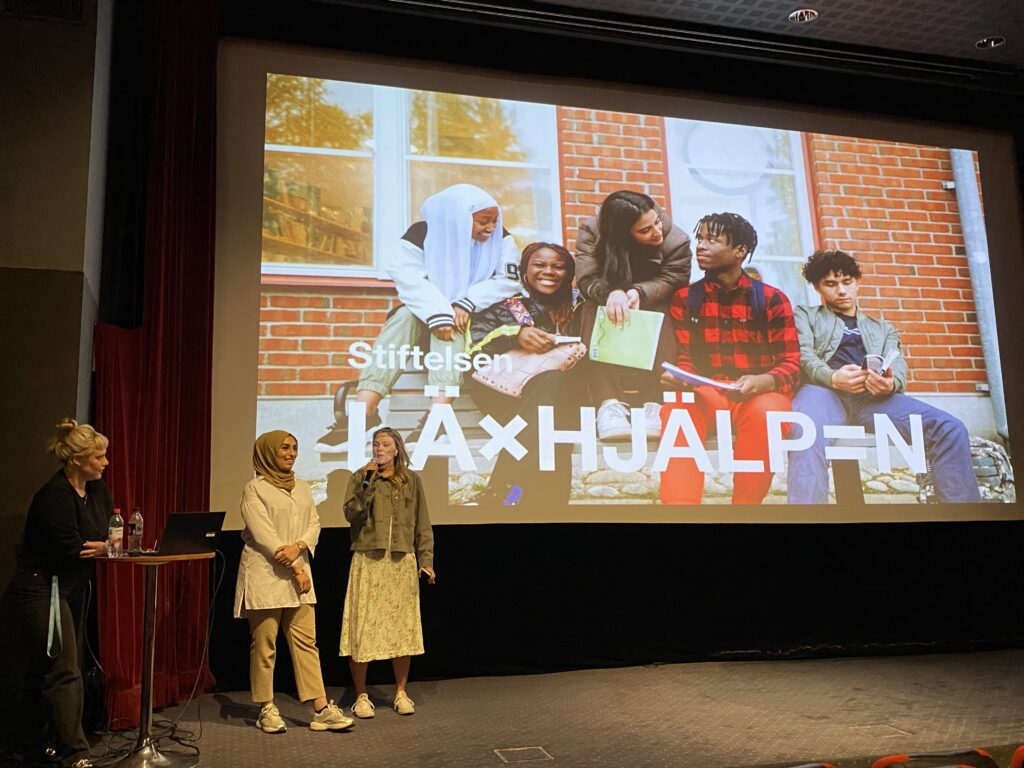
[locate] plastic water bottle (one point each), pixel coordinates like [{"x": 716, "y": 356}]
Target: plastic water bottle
[
  {"x": 135, "y": 532},
  {"x": 115, "y": 535}
]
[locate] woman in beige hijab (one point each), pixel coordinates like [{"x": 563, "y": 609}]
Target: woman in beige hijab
[{"x": 274, "y": 590}]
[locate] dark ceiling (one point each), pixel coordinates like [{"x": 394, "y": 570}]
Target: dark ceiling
[
  {"x": 948, "y": 28},
  {"x": 902, "y": 29}
]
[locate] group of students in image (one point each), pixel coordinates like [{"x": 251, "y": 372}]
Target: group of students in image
[{"x": 464, "y": 285}]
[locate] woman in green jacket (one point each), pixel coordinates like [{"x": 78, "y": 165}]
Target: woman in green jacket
[{"x": 392, "y": 543}]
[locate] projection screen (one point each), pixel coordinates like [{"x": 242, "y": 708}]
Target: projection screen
[{"x": 332, "y": 278}]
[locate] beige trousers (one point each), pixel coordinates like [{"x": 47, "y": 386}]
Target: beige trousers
[{"x": 299, "y": 627}]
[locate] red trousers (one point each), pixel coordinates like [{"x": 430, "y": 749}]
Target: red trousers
[{"x": 683, "y": 483}]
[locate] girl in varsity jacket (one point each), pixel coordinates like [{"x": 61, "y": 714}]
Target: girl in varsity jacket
[
  {"x": 529, "y": 321},
  {"x": 457, "y": 260}
]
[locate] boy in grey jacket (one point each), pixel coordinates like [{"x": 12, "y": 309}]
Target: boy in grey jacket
[{"x": 838, "y": 344}]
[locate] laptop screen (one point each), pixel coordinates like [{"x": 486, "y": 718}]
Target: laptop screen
[{"x": 190, "y": 533}]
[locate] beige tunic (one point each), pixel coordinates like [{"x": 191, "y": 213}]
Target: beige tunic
[{"x": 272, "y": 518}]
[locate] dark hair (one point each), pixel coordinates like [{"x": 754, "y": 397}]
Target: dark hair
[
  {"x": 401, "y": 473},
  {"x": 615, "y": 243},
  {"x": 738, "y": 230},
  {"x": 558, "y": 305},
  {"x": 823, "y": 263}
]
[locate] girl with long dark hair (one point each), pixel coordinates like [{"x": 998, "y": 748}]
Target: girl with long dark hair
[{"x": 629, "y": 256}]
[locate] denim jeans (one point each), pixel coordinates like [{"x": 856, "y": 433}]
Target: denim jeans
[
  {"x": 554, "y": 388},
  {"x": 947, "y": 445}
]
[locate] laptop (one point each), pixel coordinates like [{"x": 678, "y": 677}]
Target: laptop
[{"x": 189, "y": 533}]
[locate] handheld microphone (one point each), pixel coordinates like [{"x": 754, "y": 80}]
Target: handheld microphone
[{"x": 367, "y": 477}]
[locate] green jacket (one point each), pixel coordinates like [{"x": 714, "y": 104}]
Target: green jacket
[
  {"x": 385, "y": 505},
  {"x": 820, "y": 330}
]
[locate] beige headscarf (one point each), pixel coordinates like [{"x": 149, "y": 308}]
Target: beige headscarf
[{"x": 264, "y": 459}]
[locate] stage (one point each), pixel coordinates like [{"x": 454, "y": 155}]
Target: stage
[{"x": 720, "y": 714}]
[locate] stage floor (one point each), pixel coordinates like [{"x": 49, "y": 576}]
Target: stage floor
[{"x": 712, "y": 715}]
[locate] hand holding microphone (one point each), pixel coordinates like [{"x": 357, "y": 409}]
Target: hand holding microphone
[{"x": 370, "y": 468}]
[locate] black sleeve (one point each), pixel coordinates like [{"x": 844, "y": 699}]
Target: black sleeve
[
  {"x": 493, "y": 330},
  {"x": 416, "y": 234},
  {"x": 51, "y": 527}
]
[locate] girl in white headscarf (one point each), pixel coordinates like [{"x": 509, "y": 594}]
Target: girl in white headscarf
[{"x": 457, "y": 260}]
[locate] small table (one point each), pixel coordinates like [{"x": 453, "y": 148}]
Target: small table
[{"x": 145, "y": 754}]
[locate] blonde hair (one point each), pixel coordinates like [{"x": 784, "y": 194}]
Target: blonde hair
[{"x": 75, "y": 441}]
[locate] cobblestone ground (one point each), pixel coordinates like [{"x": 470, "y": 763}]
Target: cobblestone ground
[{"x": 898, "y": 486}]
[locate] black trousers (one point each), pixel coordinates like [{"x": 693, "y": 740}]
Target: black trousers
[
  {"x": 605, "y": 381},
  {"x": 52, "y": 694},
  {"x": 554, "y": 388}
]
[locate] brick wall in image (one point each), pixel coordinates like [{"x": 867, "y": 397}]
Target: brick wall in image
[
  {"x": 601, "y": 152},
  {"x": 305, "y": 333},
  {"x": 884, "y": 203}
]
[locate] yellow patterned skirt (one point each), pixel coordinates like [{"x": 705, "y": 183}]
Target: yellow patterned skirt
[{"x": 382, "y": 607}]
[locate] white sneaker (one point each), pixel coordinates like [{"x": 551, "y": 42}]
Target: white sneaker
[
  {"x": 330, "y": 718},
  {"x": 270, "y": 720},
  {"x": 363, "y": 707},
  {"x": 652, "y": 419},
  {"x": 404, "y": 705},
  {"x": 613, "y": 421}
]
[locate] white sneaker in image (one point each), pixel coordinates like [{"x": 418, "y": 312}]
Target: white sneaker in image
[
  {"x": 652, "y": 420},
  {"x": 613, "y": 421}
]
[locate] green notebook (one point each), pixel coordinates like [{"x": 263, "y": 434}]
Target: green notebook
[{"x": 634, "y": 345}]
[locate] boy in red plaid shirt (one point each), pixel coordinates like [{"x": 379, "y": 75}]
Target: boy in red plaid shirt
[{"x": 758, "y": 351}]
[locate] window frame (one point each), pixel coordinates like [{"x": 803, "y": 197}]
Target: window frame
[
  {"x": 391, "y": 162},
  {"x": 679, "y": 172}
]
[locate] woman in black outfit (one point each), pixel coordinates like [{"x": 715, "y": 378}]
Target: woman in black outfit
[
  {"x": 529, "y": 321},
  {"x": 66, "y": 528}
]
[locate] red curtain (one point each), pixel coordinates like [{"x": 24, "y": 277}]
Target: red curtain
[{"x": 153, "y": 382}]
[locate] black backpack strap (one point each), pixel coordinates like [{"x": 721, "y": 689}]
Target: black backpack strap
[
  {"x": 759, "y": 308},
  {"x": 694, "y": 303},
  {"x": 695, "y": 300}
]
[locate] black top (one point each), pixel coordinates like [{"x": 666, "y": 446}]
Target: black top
[
  {"x": 496, "y": 328},
  {"x": 851, "y": 349},
  {"x": 59, "y": 522}
]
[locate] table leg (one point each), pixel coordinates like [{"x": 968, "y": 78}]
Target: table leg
[{"x": 145, "y": 754}]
